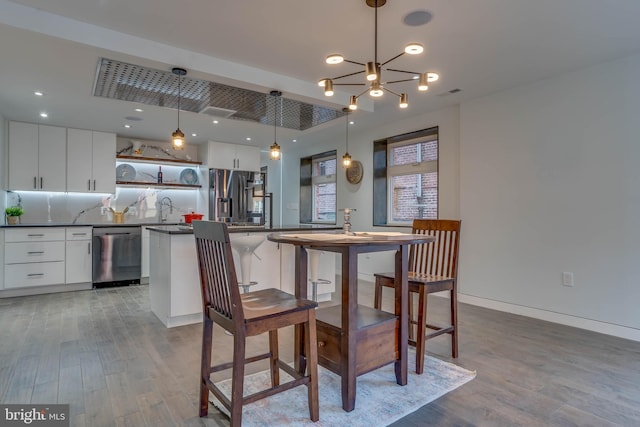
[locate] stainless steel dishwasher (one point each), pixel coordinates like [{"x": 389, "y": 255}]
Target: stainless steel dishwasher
[{"x": 116, "y": 255}]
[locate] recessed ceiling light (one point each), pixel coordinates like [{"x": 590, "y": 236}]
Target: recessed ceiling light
[
  {"x": 139, "y": 110},
  {"x": 215, "y": 122},
  {"x": 44, "y": 115},
  {"x": 295, "y": 140},
  {"x": 417, "y": 18},
  {"x": 248, "y": 138},
  {"x": 127, "y": 126},
  {"x": 194, "y": 134},
  {"x": 38, "y": 93},
  {"x": 352, "y": 122}
]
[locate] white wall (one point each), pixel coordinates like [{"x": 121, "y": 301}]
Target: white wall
[
  {"x": 360, "y": 196},
  {"x": 549, "y": 183},
  {"x": 3, "y": 171}
]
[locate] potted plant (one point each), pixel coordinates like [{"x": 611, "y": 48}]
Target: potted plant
[{"x": 13, "y": 214}]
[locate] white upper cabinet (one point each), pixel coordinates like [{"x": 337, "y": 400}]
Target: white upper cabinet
[
  {"x": 37, "y": 157},
  {"x": 91, "y": 161},
  {"x": 233, "y": 156}
]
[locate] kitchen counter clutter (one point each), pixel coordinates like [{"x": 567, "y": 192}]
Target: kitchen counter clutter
[{"x": 174, "y": 281}]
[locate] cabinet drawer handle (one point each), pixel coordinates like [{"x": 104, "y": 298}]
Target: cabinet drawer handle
[
  {"x": 35, "y": 235},
  {"x": 35, "y": 183},
  {"x": 35, "y": 274},
  {"x": 78, "y": 234},
  {"x": 88, "y": 185},
  {"x": 94, "y": 185},
  {"x": 89, "y": 248},
  {"x": 41, "y": 183},
  {"x": 35, "y": 252}
]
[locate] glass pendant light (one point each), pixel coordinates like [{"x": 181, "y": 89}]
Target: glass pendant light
[
  {"x": 177, "y": 137},
  {"x": 346, "y": 159},
  {"x": 274, "y": 150}
]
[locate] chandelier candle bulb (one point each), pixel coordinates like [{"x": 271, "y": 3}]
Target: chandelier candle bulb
[
  {"x": 328, "y": 87},
  {"x": 353, "y": 103},
  {"x": 414, "y": 49},
  {"x": 372, "y": 72},
  {"x": 404, "y": 102}
]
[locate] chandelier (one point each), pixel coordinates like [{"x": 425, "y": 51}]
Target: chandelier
[{"x": 373, "y": 70}]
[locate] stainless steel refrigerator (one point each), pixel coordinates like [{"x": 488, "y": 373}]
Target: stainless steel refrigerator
[{"x": 236, "y": 197}]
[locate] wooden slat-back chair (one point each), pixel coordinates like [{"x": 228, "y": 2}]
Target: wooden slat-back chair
[
  {"x": 246, "y": 315},
  {"x": 433, "y": 267}
]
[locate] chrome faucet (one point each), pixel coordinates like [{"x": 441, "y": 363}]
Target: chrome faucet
[{"x": 165, "y": 201}]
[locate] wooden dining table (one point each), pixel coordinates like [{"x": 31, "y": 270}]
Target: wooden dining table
[{"x": 354, "y": 339}]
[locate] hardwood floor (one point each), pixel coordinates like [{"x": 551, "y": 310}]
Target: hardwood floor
[{"x": 117, "y": 365}]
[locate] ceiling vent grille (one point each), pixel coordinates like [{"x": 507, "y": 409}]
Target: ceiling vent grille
[
  {"x": 134, "y": 83},
  {"x": 221, "y": 113}
]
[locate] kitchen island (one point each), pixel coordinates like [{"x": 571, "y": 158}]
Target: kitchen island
[{"x": 174, "y": 282}]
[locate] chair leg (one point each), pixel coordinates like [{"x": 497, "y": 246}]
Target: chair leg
[
  {"x": 412, "y": 335},
  {"x": 312, "y": 366},
  {"x": 237, "y": 378},
  {"x": 377, "y": 296},
  {"x": 273, "y": 360},
  {"x": 454, "y": 321},
  {"x": 421, "y": 329},
  {"x": 205, "y": 366}
]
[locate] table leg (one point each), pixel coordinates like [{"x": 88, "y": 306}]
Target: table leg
[
  {"x": 299, "y": 358},
  {"x": 349, "y": 327},
  {"x": 402, "y": 311}
]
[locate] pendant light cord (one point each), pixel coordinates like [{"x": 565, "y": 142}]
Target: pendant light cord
[
  {"x": 179, "y": 98},
  {"x": 375, "y": 43},
  {"x": 347, "y": 133}
]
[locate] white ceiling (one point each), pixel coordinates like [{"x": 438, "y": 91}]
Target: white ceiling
[{"x": 478, "y": 46}]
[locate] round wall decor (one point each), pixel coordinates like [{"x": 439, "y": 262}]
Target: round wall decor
[{"x": 354, "y": 172}]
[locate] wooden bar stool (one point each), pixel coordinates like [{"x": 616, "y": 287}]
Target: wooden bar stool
[
  {"x": 433, "y": 267},
  {"x": 246, "y": 315}
]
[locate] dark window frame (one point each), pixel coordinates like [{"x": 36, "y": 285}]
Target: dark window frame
[
  {"x": 306, "y": 187},
  {"x": 380, "y": 176}
]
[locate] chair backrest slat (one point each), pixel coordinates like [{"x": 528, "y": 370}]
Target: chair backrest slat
[
  {"x": 438, "y": 258},
  {"x": 218, "y": 280}
]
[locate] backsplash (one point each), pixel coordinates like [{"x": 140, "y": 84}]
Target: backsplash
[{"x": 146, "y": 205}]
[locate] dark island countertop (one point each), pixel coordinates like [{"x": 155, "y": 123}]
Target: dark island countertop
[
  {"x": 186, "y": 229},
  {"x": 95, "y": 225}
]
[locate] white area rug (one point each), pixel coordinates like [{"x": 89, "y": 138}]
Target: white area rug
[{"x": 379, "y": 400}]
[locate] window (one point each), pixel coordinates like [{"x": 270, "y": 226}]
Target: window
[
  {"x": 406, "y": 178},
  {"x": 318, "y": 188}
]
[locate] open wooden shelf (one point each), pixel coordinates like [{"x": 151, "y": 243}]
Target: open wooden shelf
[
  {"x": 156, "y": 160},
  {"x": 155, "y": 184}
]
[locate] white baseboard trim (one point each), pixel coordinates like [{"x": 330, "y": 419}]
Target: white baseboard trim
[
  {"x": 550, "y": 316},
  {"x": 48, "y": 289},
  {"x": 186, "y": 319}
]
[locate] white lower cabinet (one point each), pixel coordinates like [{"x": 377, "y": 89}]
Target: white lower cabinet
[
  {"x": 144, "y": 261},
  {"x": 33, "y": 257},
  {"x": 46, "y": 256},
  {"x": 78, "y": 255},
  {"x": 33, "y": 274}
]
